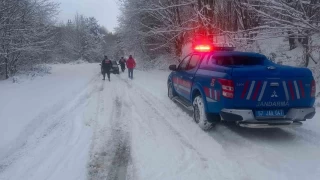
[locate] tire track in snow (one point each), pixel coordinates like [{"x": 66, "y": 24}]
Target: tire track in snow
[
  {"x": 145, "y": 123},
  {"x": 225, "y": 137},
  {"x": 112, "y": 159},
  {"x": 304, "y": 134},
  {"x": 99, "y": 148},
  {"x": 120, "y": 140},
  {"x": 152, "y": 107},
  {"x": 162, "y": 117},
  {"x": 166, "y": 112}
]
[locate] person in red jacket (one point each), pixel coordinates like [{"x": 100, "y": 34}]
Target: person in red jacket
[{"x": 131, "y": 64}]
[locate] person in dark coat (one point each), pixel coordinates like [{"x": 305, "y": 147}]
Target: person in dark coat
[
  {"x": 106, "y": 66},
  {"x": 122, "y": 63}
]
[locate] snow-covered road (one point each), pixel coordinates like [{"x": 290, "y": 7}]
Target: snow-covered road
[{"x": 72, "y": 125}]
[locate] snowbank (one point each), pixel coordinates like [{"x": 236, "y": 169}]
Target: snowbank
[
  {"x": 79, "y": 61},
  {"x": 42, "y": 128},
  {"x": 31, "y": 73},
  {"x": 39, "y": 70}
]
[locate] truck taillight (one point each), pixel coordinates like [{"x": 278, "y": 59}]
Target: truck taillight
[
  {"x": 227, "y": 88},
  {"x": 313, "y": 88}
]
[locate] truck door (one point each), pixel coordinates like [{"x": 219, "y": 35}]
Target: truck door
[
  {"x": 188, "y": 76},
  {"x": 178, "y": 77},
  {"x": 185, "y": 75}
]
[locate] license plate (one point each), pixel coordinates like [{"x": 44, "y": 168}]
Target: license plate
[{"x": 270, "y": 113}]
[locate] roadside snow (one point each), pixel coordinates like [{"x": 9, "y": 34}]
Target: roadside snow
[{"x": 43, "y": 133}]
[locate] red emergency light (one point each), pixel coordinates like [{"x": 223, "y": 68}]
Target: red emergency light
[
  {"x": 210, "y": 48},
  {"x": 203, "y": 48}
]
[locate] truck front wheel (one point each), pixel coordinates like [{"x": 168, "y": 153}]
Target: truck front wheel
[{"x": 199, "y": 114}]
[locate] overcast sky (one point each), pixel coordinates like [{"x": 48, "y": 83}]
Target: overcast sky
[{"x": 105, "y": 11}]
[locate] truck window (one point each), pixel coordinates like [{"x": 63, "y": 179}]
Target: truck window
[
  {"x": 236, "y": 60},
  {"x": 184, "y": 63},
  {"x": 194, "y": 61}
]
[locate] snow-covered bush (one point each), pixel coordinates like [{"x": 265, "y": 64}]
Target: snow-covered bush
[
  {"x": 31, "y": 72},
  {"x": 160, "y": 63},
  {"x": 15, "y": 79},
  {"x": 79, "y": 61},
  {"x": 38, "y": 70}
]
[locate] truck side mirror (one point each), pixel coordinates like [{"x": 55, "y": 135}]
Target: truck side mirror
[{"x": 173, "y": 67}]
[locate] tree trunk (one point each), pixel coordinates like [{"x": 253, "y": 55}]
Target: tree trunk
[
  {"x": 6, "y": 62},
  {"x": 306, "y": 45},
  {"x": 291, "y": 40},
  {"x": 178, "y": 46}
]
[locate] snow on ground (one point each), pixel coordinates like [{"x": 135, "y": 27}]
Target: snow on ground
[
  {"x": 43, "y": 133},
  {"x": 72, "y": 125}
]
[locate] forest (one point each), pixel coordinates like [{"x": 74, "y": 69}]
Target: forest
[{"x": 31, "y": 35}]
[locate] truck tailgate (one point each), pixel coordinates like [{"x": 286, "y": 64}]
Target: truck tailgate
[{"x": 272, "y": 89}]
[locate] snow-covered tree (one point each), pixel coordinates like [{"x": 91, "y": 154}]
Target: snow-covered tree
[
  {"x": 81, "y": 38},
  {"x": 26, "y": 31},
  {"x": 297, "y": 19},
  {"x": 162, "y": 26},
  {"x": 155, "y": 27}
]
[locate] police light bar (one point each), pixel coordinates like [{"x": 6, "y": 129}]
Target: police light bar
[
  {"x": 203, "y": 48},
  {"x": 210, "y": 48}
]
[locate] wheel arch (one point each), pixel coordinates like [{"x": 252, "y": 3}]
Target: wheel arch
[
  {"x": 198, "y": 90},
  {"x": 169, "y": 80}
]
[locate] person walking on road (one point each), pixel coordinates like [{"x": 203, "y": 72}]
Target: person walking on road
[
  {"x": 131, "y": 64},
  {"x": 106, "y": 66},
  {"x": 122, "y": 63}
]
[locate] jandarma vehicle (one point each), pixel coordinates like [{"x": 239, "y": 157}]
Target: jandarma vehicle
[{"x": 218, "y": 83}]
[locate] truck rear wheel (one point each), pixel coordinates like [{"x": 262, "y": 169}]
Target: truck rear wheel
[{"x": 199, "y": 114}]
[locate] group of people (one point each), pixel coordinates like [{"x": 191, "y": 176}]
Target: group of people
[{"x": 106, "y": 66}]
